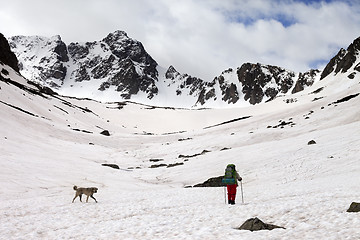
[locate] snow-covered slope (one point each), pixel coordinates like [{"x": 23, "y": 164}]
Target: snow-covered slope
[
  {"x": 42, "y": 59},
  {"x": 48, "y": 143}
]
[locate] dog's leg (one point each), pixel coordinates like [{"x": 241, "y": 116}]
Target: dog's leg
[
  {"x": 76, "y": 195},
  {"x": 87, "y": 198},
  {"x": 93, "y": 198},
  {"x": 80, "y": 197}
]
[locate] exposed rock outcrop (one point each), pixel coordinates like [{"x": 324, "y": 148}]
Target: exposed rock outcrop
[
  {"x": 305, "y": 79},
  {"x": 261, "y": 81},
  {"x": 344, "y": 60},
  {"x": 354, "y": 207},
  {"x": 255, "y": 224},
  {"x": 7, "y": 57},
  {"x": 212, "y": 182}
]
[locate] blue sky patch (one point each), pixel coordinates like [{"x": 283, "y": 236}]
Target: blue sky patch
[
  {"x": 318, "y": 63},
  {"x": 285, "y": 20},
  {"x": 307, "y": 2}
]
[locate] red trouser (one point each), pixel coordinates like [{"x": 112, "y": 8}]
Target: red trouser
[{"x": 231, "y": 189}]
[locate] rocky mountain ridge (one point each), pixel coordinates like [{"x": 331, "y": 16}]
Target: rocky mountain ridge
[{"x": 120, "y": 66}]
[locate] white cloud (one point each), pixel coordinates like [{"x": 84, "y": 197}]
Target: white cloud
[{"x": 201, "y": 38}]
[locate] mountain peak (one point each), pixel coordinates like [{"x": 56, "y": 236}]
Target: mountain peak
[
  {"x": 354, "y": 47},
  {"x": 344, "y": 60},
  {"x": 116, "y": 36},
  {"x": 56, "y": 38},
  {"x": 171, "y": 73}
]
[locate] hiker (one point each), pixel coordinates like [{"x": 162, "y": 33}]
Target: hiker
[{"x": 231, "y": 180}]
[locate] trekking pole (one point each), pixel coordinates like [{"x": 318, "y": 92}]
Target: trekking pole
[
  {"x": 242, "y": 193},
  {"x": 225, "y": 194}
]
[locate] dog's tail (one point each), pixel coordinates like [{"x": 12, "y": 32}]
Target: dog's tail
[{"x": 75, "y": 188}]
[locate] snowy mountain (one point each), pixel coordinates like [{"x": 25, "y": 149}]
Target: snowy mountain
[
  {"x": 115, "y": 62},
  {"x": 118, "y": 68},
  {"x": 50, "y": 143}
]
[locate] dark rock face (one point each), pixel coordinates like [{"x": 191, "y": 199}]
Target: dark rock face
[
  {"x": 333, "y": 63},
  {"x": 130, "y": 55},
  {"x": 185, "y": 83},
  {"x": 229, "y": 90},
  {"x": 171, "y": 73},
  {"x": 255, "y": 224},
  {"x": 350, "y": 57},
  {"x": 254, "y": 78},
  {"x": 77, "y": 51},
  {"x": 61, "y": 51},
  {"x": 257, "y": 83},
  {"x": 207, "y": 92},
  {"x": 231, "y": 94},
  {"x": 54, "y": 66},
  {"x": 344, "y": 60},
  {"x": 305, "y": 79},
  {"x": 6, "y": 55}
]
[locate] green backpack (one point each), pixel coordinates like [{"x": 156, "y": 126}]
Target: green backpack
[{"x": 230, "y": 174}]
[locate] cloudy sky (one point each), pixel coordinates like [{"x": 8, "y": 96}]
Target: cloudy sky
[{"x": 199, "y": 37}]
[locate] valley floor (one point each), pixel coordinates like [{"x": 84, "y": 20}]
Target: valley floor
[
  {"x": 173, "y": 213},
  {"x": 50, "y": 143}
]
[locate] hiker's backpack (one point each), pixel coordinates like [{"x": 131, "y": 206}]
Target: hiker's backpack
[{"x": 230, "y": 174}]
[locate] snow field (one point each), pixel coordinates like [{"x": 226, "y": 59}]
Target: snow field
[
  {"x": 178, "y": 214},
  {"x": 304, "y": 188}
]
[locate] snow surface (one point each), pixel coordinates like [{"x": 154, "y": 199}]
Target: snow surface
[
  {"x": 304, "y": 188},
  {"x": 35, "y": 50}
]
